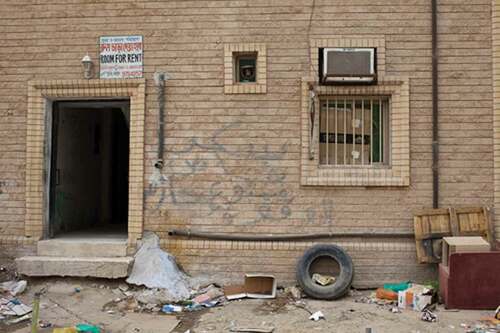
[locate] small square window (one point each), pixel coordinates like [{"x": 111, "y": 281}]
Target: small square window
[{"x": 245, "y": 67}]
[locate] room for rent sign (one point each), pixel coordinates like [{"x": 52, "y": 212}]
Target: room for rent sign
[{"x": 121, "y": 57}]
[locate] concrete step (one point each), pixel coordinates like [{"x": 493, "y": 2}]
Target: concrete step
[
  {"x": 86, "y": 247},
  {"x": 103, "y": 267}
]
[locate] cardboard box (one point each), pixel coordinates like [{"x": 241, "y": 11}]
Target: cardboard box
[
  {"x": 463, "y": 244},
  {"x": 414, "y": 298},
  {"x": 256, "y": 286}
]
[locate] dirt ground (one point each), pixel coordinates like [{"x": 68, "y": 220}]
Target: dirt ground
[{"x": 68, "y": 301}]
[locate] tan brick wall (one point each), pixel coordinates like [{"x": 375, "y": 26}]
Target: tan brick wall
[
  {"x": 233, "y": 160},
  {"x": 496, "y": 109}
]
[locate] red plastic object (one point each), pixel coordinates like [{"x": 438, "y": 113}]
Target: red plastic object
[{"x": 471, "y": 281}]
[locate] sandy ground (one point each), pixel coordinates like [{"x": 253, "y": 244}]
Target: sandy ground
[{"x": 62, "y": 306}]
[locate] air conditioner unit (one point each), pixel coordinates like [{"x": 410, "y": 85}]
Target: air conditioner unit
[{"x": 348, "y": 66}]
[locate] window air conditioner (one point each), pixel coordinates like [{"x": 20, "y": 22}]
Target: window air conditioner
[{"x": 348, "y": 66}]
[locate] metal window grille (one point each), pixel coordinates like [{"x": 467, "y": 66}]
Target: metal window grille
[{"x": 354, "y": 130}]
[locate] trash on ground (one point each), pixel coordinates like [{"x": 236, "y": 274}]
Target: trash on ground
[
  {"x": 44, "y": 324},
  {"x": 126, "y": 304},
  {"x": 372, "y": 299},
  {"x": 211, "y": 293},
  {"x": 397, "y": 287},
  {"x": 18, "y": 319},
  {"x": 171, "y": 308},
  {"x": 255, "y": 286},
  {"x": 79, "y": 328},
  {"x": 155, "y": 268},
  {"x": 294, "y": 291},
  {"x": 416, "y": 297},
  {"x": 86, "y": 328},
  {"x": 303, "y": 305},
  {"x": 388, "y": 294},
  {"x": 317, "y": 316},
  {"x": 395, "y": 309},
  {"x": 65, "y": 330},
  {"x": 252, "y": 329},
  {"x": 323, "y": 280},
  {"x": 429, "y": 316},
  {"x": 14, "y": 287},
  {"x": 13, "y": 307}
]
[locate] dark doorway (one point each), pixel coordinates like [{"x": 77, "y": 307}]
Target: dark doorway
[{"x": 89, "y": 166}]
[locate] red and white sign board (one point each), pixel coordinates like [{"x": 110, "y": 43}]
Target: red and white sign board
[{"x": 121, "y": 57}]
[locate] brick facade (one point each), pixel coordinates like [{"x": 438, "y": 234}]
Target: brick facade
[{"x": 233, "y": 161}]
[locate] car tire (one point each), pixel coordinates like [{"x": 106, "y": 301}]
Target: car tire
[{"x": 342, "y": 282}]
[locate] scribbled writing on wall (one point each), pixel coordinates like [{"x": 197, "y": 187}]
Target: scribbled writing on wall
[{"x": 271, "y": 194}]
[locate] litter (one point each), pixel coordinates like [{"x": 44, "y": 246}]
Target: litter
[
  {"x": 65, "y": 330},
  {"x": 44, "y": 324},
  {"x": 294, "y": 292},
  {"x": 155, "y": 268},
  {"x": 14, "y": 287},
  {"x": 126, "y": 304},
  {"x": 427, "y": 315},
  {"x": 256, "y": 286},
  {"x": 317, "y": 316},
  {"x": 13, "y": 307},
  {"x": 395, "y": 310},
  {"x": 170, "y": 308},
  {"x": 417, "y": 297},
  {"x": 388, "y": 294},
  {"x": 397, "y": 287},
  {"x": 85, "y": 328},
  {"x": 323, "y": 280},
  {"x": 252, "y": 329},
  {"x": 79, "y": 328},
  {"x": 19, "y": 319},
  {"x": 208, "y": 295}
]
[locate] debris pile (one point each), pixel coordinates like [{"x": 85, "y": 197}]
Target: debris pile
[
  {"x": 155, "y": 268},
  {"x": 404, "y": 295},
  {"x": 12, "y": 310}
]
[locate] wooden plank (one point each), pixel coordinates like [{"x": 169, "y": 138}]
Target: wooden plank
[
  {"x": 490, "y": 234},
  {"x": 453, "y": 221},
  {"x": 430, "y": 212},
  {"x": 431, "y": 225},
  {"x": 461, "y": 210}
]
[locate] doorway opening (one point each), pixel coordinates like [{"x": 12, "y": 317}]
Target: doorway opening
[{"x": 89, "y": 168}]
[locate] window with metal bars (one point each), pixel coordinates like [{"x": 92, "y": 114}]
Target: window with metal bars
[{"x": 354, "y": 130}]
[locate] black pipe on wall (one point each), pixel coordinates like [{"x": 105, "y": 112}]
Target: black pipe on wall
[
  {"x": 286, "y": 237},
  {"x": 160, "y": 79},
  {"x": 435, "y": 114}
]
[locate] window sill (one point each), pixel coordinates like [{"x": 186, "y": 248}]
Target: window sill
[
  {"x": 346, "y": 176},
  {"x": 245, "y": 88}
]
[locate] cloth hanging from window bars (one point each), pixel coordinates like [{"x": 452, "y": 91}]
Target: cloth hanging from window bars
[{"x": 312, "y": 116}]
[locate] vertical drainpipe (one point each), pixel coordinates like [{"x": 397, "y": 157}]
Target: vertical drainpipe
[
  {"x": 435, "y": 115},
  {"x": 160, "y": 79}
]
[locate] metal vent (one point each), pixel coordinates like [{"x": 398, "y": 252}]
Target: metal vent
[{"x": 349, "y": 65}]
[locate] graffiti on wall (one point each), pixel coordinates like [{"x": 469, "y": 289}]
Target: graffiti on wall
[{"x": 272, "y": 196}]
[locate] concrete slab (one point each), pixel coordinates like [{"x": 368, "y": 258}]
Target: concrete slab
[
  {"x": 104, "y": 267},
  {"x": 82, "y": 247}
]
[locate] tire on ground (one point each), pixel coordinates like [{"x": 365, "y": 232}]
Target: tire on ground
[{"x": 342, "y": 283}]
